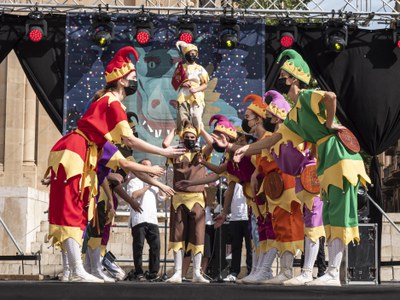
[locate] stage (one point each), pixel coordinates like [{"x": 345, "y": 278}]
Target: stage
[{"x": 44, "y": 290}]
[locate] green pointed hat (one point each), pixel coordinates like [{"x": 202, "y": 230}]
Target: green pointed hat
[{"x": 295, "y": 65}]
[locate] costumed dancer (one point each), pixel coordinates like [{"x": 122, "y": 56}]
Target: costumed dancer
[
  {"x": 187, "y": 221},
  {"x": 299, "y": 162},
  {"x": 277, "y": 189},
  {"x": 73, "y": 159},
  {"x": 339, "y": 168},
  {"x": 190, "y": 80}
]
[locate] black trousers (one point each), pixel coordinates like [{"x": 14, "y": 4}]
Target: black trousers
[
  {"x": 240, "y": 230},
  {"x": 151, "y": 233}
]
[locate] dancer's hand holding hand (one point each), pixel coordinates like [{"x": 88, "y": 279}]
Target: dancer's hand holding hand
[
  {"x": 183, "y": 184},
  {"x": 239, "y": 153},
  {"x": 156, "y": 171},
  {"x": 166, "y": 189},
  {"x": 136, "y": 206},
  {"x": 173, "y": 151}
]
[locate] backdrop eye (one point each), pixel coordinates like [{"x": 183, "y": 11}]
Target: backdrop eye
[{"x": 152, "y": 65}]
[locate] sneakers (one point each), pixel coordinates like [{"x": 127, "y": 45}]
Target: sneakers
[
  {"x": 329, "y": 279},
  {"x": 176, "y": 278},
  {"x": 279, "y": 279},
  {"x": 198, "y": 278},
  {"x": 230, "y": 278},
  {"x": 302, "y": 279}
]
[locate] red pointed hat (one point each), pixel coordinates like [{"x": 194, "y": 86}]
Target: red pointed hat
[
  {"x": 223, "y": 125},
  {"x": 258, "y": 106},
  {"x": 121, "y": 65}
]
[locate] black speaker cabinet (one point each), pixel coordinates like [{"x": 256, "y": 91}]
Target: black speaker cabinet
[{"x": 361, "y": 260}]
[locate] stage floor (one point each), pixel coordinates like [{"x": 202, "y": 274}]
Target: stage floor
[{"x": 44, "y": 290}]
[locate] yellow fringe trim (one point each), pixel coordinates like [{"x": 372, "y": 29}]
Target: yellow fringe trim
[
  {"x": 290, "y": 246},
  {"x": 65, "y": 158},
  {"x": 287, "y": 135},
  {"x": 306, "y": 198},
  {"x": 314, "y": 233},
  {"x": 187, "y": 199},
  {"x": 195, "y": 249},
  {"x": 284, "y": 201},
  {"x": 176, "y": 246},
  {"x": 346, "y": 235},
  {"x": 61, "y": 233},
  {"x": 267, "y": 245},
  {"x": 352, "y": 170},
  {"x": 113, "y": 163},
  {"x": 103, "y": 250},
  {"x": 120, "y": 130},
  {"x": 94, "y": 243}
]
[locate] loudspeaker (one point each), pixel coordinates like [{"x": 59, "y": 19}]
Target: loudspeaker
[{"x": 361, "y": 260}]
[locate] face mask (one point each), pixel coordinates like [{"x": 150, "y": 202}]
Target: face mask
[
  {"x": 190, "y": 58},
  {"x": 131, "y": 88},
  {"x": 281, "y": 86},
  {"x": 189, "y": 144},
  {"x": 268, "y": 125},
  {"x": 245, "y": 126},
  {"x": 218, "y": 148}
]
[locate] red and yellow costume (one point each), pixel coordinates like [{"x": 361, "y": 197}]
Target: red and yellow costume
[{"x": 73, "y": 159}]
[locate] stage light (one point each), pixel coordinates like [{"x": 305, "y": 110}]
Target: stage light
[
  {"x": 396, "y": 34},
  {"x": 335, "y": 35},
  {"x": 36, "y": 26},
  {"x": 287, "y": 32},
  {"x": 187, "y": 30},
  {"x": 102, "y": 29},
  {"x": 229, "y": 32},
  {"x": 144, "y": 28}
]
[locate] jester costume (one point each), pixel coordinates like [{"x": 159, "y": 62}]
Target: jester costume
[
  {"x": 187, "y": 214},
  {"x": 73, "y": 162},
  {"x": 190, "y": 106},
  {"x": 338, "y": 169}
]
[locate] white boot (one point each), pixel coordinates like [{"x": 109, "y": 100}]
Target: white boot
[
  {"x": 332, "y": 275},
  {"x": 310, "y": 255},
  {"x": 265, "y": 271},
  {"x": 86, "y": 263},
  {"x": 197, "y": 277},
  {"x": 254, "y": 268},
  {"x": 286, "y": 269},
  {"x": 177, "y": 277},
  {"x": 95, "y": 264},
  {"x": 66, "y": 269},
  {"x": 75, "y": 262}
]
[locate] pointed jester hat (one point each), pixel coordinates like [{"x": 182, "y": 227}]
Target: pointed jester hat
[
  {"x": 223, "y": 125},
  {"x": 257, "y": 105},
  {"x": 295, "y": 65},
  {"x": 277, "y": 104},
  {"x": 121, "y": 65}
]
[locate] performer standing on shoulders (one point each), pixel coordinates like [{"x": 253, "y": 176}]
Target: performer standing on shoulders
[{"x": 190, "y": 79}]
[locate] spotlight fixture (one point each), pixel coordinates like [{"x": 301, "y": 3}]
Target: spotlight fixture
[
  {"x": 187, "y": 30},
  {"x": 287, "y": 32},
  {"x": 102, "y": 29},
  {"x": 36, "y": 26},
  {"x": 396, "y": 34},
  {"x": 229, "y": 32},
  {"x": 144, "y": 28},
  {"x": 335, "y": 35}
]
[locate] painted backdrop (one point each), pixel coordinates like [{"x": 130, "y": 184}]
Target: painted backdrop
[{"x": 233, "y": 73}]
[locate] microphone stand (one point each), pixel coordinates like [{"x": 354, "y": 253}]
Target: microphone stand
[
  {"x": 164, "y": 277},
  {"x": 219, "y": 277}
]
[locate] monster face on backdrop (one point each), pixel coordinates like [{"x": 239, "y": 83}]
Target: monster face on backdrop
[{"x": 233, "y": 73}]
